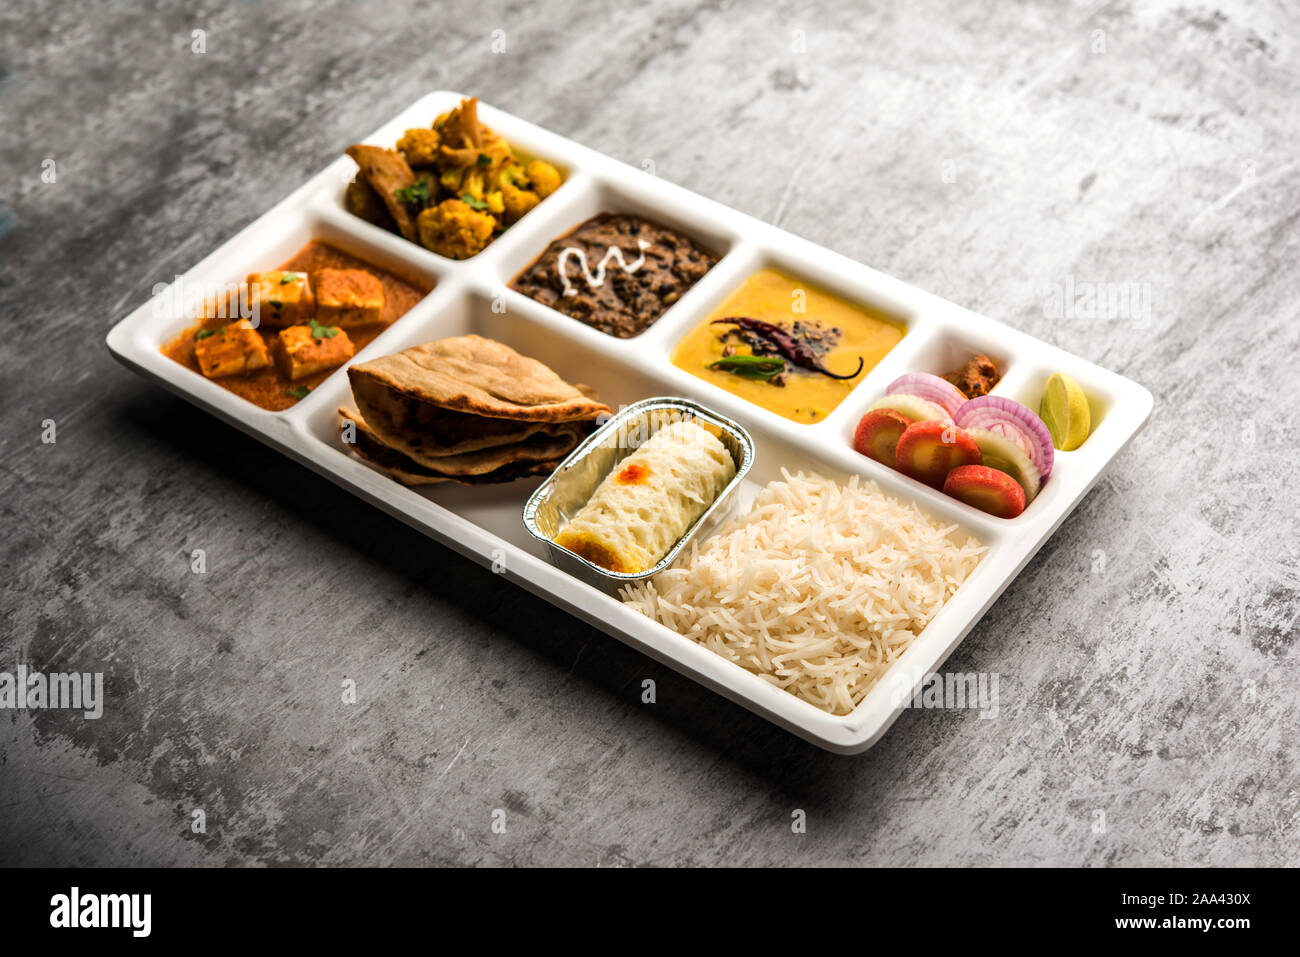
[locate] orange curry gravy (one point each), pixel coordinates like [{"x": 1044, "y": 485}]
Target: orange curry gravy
[{"x": 268, "y": 388}]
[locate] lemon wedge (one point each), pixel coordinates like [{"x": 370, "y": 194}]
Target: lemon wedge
[{"x": 1064, "y": 411}]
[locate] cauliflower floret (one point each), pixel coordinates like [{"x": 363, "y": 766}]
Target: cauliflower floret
[
  {"x": 455, "y": 229},
  {"x": 420, "y": 147},
  {"x": 544, "y": 177},
  {"x": 450, "y": 179},
  {"x": 517, "y": 201},
  {"x": 475, "y": 190},
  {"x": 516, "y": 192}
]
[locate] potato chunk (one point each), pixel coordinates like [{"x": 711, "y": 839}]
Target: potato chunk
[
  {"x": 281, "y": 298},
  {"x": 360, "y": 199},
  {"x": 348, "y": 297},
  {"x": 301, "y": 351},
  {"x": 234, "y": 350},
  {"x": 388, "y": 172}
]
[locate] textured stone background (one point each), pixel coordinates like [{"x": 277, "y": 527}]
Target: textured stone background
[{"x": 1156, "y": 683}]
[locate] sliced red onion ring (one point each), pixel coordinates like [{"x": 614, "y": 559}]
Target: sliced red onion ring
[
  {"x": 1013, "y": 420},
  {"x": 912, "y": 407},
  {"x": 929, "y": 387}
]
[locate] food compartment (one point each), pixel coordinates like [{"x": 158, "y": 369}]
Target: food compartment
[
  {"x": 400, "y": 180},
  {"x": 635, "y": 474},
  {"x": 787, "y": 342},
  {"x": 617, "y": 260},
  {"x": 955, "y": 421},
  {"x": 273, "y": 318}
]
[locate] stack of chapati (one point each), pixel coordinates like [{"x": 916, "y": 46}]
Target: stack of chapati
[{"x": 465, "y": 409}]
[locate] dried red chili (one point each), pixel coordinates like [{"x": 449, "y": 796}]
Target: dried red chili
[{"x": 791, "y": 347}]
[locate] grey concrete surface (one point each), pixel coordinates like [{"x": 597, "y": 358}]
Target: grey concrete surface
[{"x": 985, "y": 151}]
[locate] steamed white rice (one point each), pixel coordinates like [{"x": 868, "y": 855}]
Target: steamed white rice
[{"x": 818, "y": 589}]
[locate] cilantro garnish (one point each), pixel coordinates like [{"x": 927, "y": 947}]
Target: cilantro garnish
[
  {"x": 323, "y": 332},
  {"x": 417, "y": 194}
]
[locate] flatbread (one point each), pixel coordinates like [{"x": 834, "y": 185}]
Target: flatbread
[
  {"x": 436, "y": 432},
  {"x": 545, "y": 442},
  {"x": 466, "y": 409},
  {"x": 433, "y": 431},
  {"x": 537, "y": 456},
  {"x": 535, "y": 448},
  {"x": 475, "y": 375}
]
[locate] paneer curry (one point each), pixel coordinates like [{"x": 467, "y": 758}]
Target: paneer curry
[{"x": 308, "y": 317}]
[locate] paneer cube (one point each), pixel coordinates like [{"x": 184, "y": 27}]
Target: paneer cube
[
  {"x": 301, "y": 351},
  {"x": 281, "y": 298},
  {"x": 348, "y": 297},
  {"x": 234, "y": 350}
]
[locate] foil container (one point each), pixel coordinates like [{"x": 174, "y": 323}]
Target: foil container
[{"x": 561, "y": 496}]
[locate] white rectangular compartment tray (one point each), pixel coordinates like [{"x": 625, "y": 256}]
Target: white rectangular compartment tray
[{"x": 485, "y": 523}]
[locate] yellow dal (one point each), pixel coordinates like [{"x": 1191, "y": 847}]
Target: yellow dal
[{"x": 773, "y": 296}]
